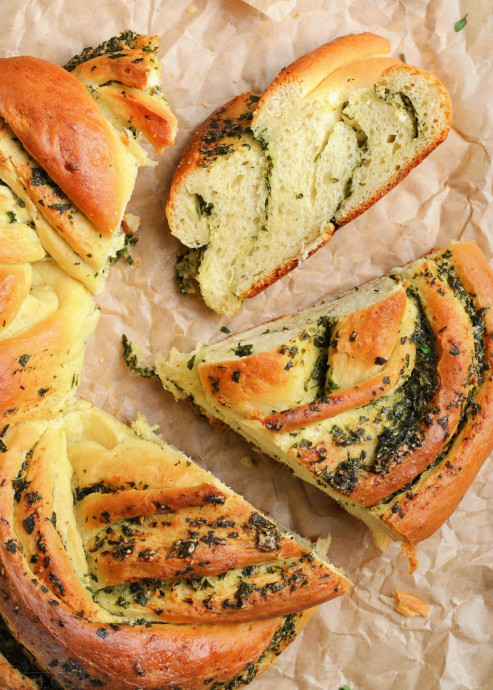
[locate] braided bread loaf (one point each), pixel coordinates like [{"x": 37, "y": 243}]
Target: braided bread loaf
[
  {"x": 381, "y": 397},
  {"x": 107, "y": 533},
  {"x": 266, "y": 180},
  {"x": 72, "y": 168}
]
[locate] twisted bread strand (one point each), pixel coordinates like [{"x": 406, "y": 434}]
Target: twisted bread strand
[{"x": 381, "y": 397}]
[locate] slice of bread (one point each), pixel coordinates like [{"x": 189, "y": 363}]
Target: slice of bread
[
  {"x": 266, "y": 181},
  {"x": 150, "y": 561},
  {"x": 382, "y": 397},
  {"x": 115, "y": 86}
]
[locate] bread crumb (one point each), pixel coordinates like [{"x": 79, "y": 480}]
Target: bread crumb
[
  {"x": 247, "y": 461},
  {"x": 389, "y": 601},
  {"x": 322, "y": 546},
  {"x": 409, "y": 550},
  {"x": 409, "y": 605},
  {"x": 456, "y": 602},
  {"x": 205, "y": 104},
  {"x": 101, "y": 360},
  {"x": 381, "y": 540},
  {"x": 130, "y": 223},
  {"x": 191, "y": 9}
]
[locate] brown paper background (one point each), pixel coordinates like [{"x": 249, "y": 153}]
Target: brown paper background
[{"x": 212, "y": 51}]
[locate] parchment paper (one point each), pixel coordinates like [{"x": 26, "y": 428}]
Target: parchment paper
[{"x": 212, "y": 51}]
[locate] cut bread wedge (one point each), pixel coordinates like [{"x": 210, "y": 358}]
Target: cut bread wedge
[
  {"x": 382, "y": 397},
  {"x": 266, "y": 180},
  {"x": 74, "y": 171},
  {"x": 160, "y": 575}
]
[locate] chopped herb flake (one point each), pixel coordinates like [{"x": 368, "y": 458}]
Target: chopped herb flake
[
  {"x": 460, "y": 24},
  {"x": 243, "y": 350},
  {"x": 132, "y": 360}
]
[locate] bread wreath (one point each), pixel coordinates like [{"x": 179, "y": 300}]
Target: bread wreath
[{"x": 122, "y": 564}]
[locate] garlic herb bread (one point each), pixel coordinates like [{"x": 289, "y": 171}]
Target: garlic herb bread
[
  {"x": 267, "y": 179},
  {"x": 72, "y": 160},
  {"x": 159, "y": 574},
  {"x": 382, "y": 397}
]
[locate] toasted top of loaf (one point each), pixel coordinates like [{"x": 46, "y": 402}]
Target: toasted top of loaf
[
  {"x": 379, "y": 397},
  {"x": 138, "y": 535},
  {"x": 308, "y": 72},
  {"x": 266, "y": 180},
  {"x": 68, "y": 136}
]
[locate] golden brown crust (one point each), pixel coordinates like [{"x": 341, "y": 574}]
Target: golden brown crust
[
  {"x": 35, "y": 511},
  {"x": 333, "y": 404},
  {"x": 420, "y": 513},
  {"x": 455, "y": 345},
  {"x": 152, "y": 116},
  {"x": 262, "y": 604},
  {"x": 199, "y": 149},
  {"x": 309, "y": 70},
  {"x": 67, "y": 136},
  {"x": 101, "y": 509},
  {"x": 380, "y": 324},
  {"x": 131, "y": 67},
  {"x": 244, "y": 384}
]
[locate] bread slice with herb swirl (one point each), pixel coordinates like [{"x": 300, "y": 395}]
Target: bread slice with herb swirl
[
  {"x": 267, "y": 179},
  {"x": 381, "y": 397},
  {"x": 159, "y": 574}
]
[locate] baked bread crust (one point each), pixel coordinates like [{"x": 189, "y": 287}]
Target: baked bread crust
[
  {"x": 67, "y": 136},
  {"x": 444, "y": 486},
  {"x": 309, "y": 70},
  {"x": 401, "y": 460},
  {"x": 142, "y": 105},
  {"x": 116, "y": 541}
]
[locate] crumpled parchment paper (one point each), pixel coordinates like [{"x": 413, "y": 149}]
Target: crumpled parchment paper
[{"x": 212, "y": 51}]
